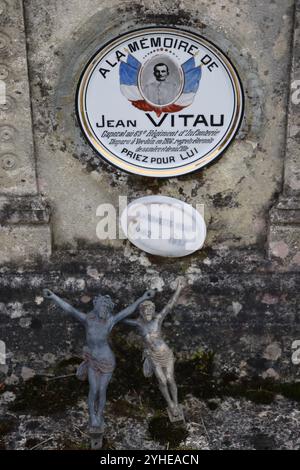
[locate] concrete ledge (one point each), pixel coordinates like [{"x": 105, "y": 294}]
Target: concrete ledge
[
  {"x": 24, "y": 210},
  {"x": 284, "y": 234},
  {"x": 24, "y": 229},
  {"x": 24, "y": 243}
]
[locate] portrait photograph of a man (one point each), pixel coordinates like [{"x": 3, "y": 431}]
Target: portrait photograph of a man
[{"x": 161, "y": 81}]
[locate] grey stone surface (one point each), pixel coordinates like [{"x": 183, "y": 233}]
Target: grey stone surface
[
  {"x": 235, "y": 329},
  {"x": 268, "y": 302},
  {"x": 238, "y": 190},
  {"x": 24, "y": 210},
  {"x": 233, "y": 425},
  {"x": 17, "y": 165},
  {"x": 292, "y": 161},
  {"x": 284, "y": 235},
  {"x": 23, "y": 243},
  {"x": 20, "y": 206},
  {"x": 233, "y": 364}
]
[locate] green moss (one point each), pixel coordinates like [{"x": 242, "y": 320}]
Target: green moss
[
  {"x": 67, "y": 365},
  {"x": 84, "y": 444},
  {"x": 107, "y": 444},
  {"x": 68, "y": 444},
  {"x": 264, "y": 397},
  {"x": 161, "y": 430},
  {"x": 195, "y": 375},
  {"x": 255, "y": 389},
  {"x": 203, "y": 361},
  {"x": 122, "y": 407},
  {"x": 129, "y": 377}
]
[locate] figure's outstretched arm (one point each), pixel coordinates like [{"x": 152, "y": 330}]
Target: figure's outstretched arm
[
  {"x": 149, "y": 294},
  {"x": 131, "y": 322},
  {"x": 48, "y": 294},
  {"x": 173, "y": 300}
]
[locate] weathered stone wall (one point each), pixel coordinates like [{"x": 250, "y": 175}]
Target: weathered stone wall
[
  {"x": 239, "y": 315},
  {"x": 232, "y": 334},
  {"x": 237, "y": 191}
]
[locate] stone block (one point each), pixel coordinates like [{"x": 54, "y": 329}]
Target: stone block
[{"x": 24, "y": 243}]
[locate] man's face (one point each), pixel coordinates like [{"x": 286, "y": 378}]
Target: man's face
[
  {"x": 161, "y": 72},
  {"x": 103, "y": 306},
  {"x": 147, "y": 311}
]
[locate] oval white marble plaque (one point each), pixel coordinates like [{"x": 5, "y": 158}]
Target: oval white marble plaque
[{"x": 163, "y": 226}]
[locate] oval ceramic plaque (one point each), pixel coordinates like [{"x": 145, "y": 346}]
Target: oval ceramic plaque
[
  {"x": 160, "y": 102},
  {"x": 163, "y": 226}
]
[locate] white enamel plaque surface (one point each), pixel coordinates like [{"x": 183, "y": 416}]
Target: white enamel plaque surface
[
  {"x": 159, "y": 102},
  {"x": 163, "y": 226}
]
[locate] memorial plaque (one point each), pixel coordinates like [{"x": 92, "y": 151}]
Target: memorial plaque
[
  {"x": 160, "y": 102},
  {"x": 164, "y": 226}
]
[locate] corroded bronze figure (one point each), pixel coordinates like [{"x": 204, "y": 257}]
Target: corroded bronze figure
[
  {"x": 99, "y": 359},
  {"x": 158, "y": 357}
]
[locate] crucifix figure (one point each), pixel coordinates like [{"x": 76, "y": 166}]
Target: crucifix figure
[
  {"x": 99, "y": 359},
  {"x": 158, "y": 357}
]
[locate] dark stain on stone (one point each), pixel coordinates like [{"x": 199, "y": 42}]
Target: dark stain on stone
[
  {"x": 176, "y": 15},
  {"x": 68, "y": 444},
  {"x": 259, "y": 363},
  {"x": 195, "y": 375},
  {"x": 32, "y": 425},
  {"x": 212, "y": 405},
  {"x": 252, "y": 391},
  {"x": 36, "y": 324},
  {"x": 67, "y": 365},
  {"x": 165, "y": 432},
  {"x": 2, "y": 445},
  {"x": 82, "y": 443},
  {"x": 290, "y": 390},
  {"x": 32, "y": 442},
  {"x": 229, "y": 378},
  {"x": 262, "y": 441},
  {"x": 122, "y": 407},
  {"x": 128, "y": 376},
  {"x": 139, "y": 183},
  {"x": 262, "y": 391},
  {"x": 44, "y": 397},
  {"x": 7, "y": 425},
  {"x": 221, "y": 200}
]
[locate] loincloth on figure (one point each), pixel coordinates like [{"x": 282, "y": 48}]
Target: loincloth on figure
[
  {"x": 162, "y": 357},
  {"x": 100, "y": 366}
]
